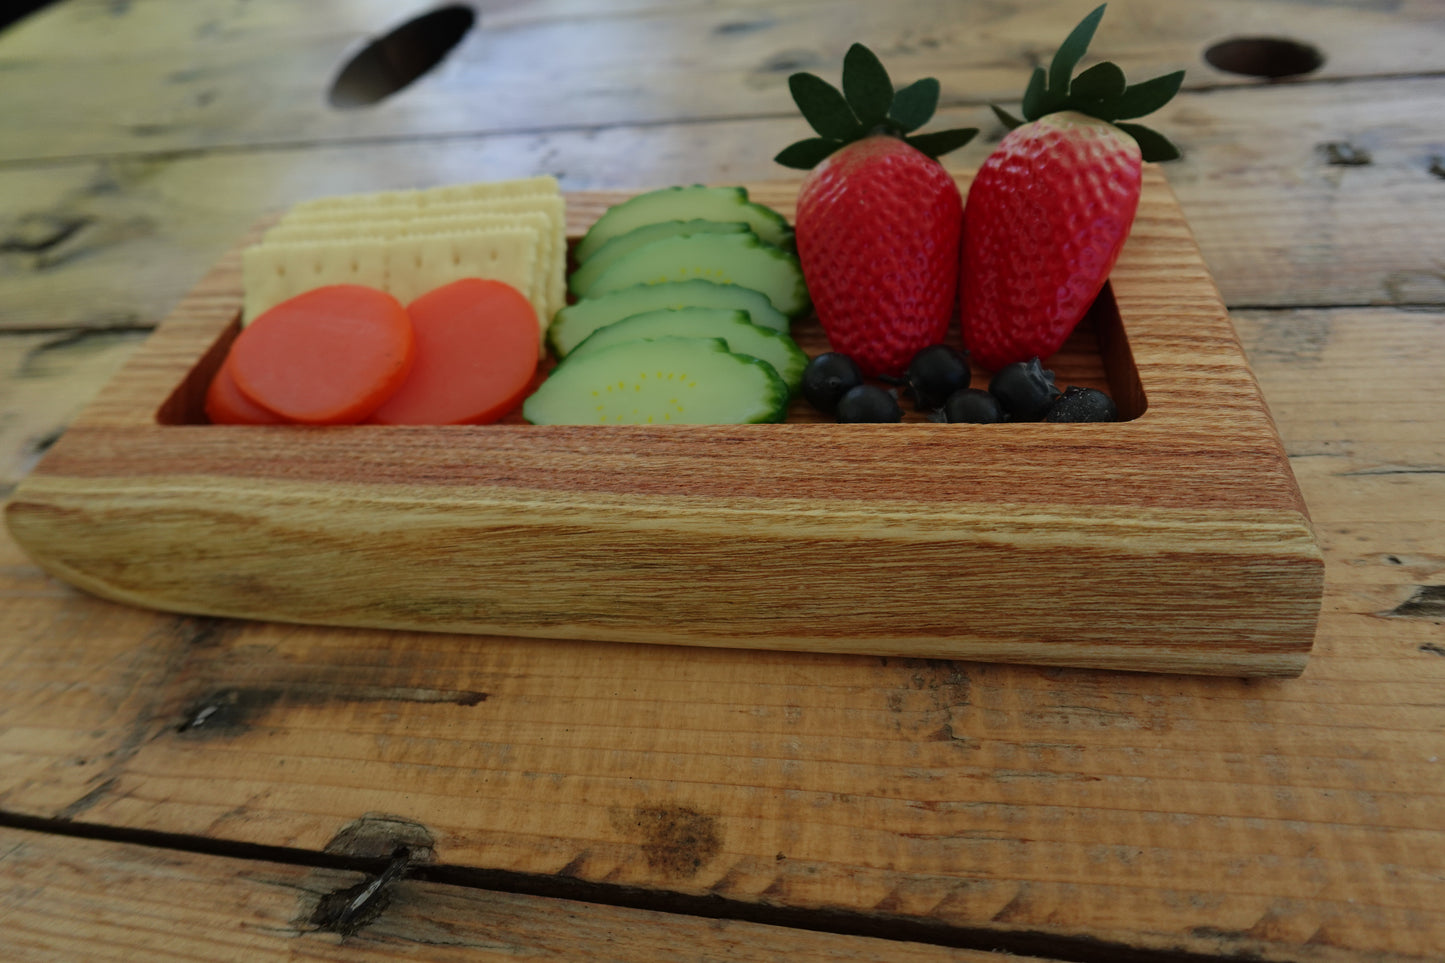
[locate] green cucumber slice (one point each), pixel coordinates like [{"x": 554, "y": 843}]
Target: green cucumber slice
[
  {"x": 684, "y": 204},
  {"x": 724, "y": 258},
  {"x": 575, "y": 322},
  {"x": 741, "y": 335},
  {"x": 661, "y": 381},
  {"x": 593, "y": 267}
]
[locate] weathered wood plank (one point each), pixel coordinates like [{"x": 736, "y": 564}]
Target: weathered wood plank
[
  {"x": 45, "y": 380},
  {"x": 1283, "y": 819},
  {"x": 120, "y": 241},
  {"x": 180, "y": 76},
  {"x": 70, "y": 898}
]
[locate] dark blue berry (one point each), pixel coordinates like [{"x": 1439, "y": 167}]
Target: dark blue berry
[
  {"x": 829, "y": 377},
  {"x": 867, "y": 403},
  {"x": 1083, "y": 404},
  {"x": 936, "y": 372},
  {"x": 974, "y": 406},
  {"x": 1024, "y": 389}
]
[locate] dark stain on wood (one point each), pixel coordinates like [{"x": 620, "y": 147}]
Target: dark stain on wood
[
  {"x": 677, "y": 840},
  {"x": 1432, "y": 648},
  {"x": 40, "y": 231},
  {"x": 203, "y": 632},
  {"x": 1342, "y": 153},
  {"x": 788, "y": 61},
  {"x": 1427, "y": 602},
  {"x": 380, "y": 835},
  {"x": 89, "y": 799},
  {"x": 231, "y": 711},
  {"x": 347, "y": 910},
  {"x": 737, "y": 27},
  {"x": 574, "y": 865},
  {"x": 80, "y": 342}
]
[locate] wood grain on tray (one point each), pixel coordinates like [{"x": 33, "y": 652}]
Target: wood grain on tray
[{"x": 1175, "y": 541}]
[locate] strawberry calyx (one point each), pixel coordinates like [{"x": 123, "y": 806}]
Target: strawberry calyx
[
  {"x": 867, "y": 106},
  {"x": 1100, "y": 92}
]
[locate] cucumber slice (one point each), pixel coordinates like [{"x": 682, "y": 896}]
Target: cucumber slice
[
  {"x": 576, "y": 321},
  {"x": 724, "y": 258},
  {"x": 592, "y": 269},
  {"x": 741, "y": 335},
  {"x": 684, "y": 204},
  {"x": 662, "y": 381}
]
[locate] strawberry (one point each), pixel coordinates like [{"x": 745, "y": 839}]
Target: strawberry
[
  {"x": 878, "y": 217},
  {"x": 1051, "y": 207}
]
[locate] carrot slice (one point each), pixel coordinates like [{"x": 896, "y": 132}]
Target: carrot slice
[
  {"x": 330, "y": 356},
  {"x": 226, "y": 405},
  {"x": 476, "y": 353}
]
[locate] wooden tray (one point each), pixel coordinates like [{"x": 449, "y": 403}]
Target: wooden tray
[{"x": 1174, "y": 541}]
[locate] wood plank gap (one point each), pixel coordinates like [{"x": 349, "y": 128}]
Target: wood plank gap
[{"x": 1049, "y": 947}]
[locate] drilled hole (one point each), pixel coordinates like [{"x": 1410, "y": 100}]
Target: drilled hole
[
  {"x": 1264, "y": 57},
  {"x": 395, "y": 61}
]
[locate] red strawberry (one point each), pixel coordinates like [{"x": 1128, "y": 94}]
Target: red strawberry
[
  {"x": 1052, "y": 206},
  {"x": 878, "y": 217}
]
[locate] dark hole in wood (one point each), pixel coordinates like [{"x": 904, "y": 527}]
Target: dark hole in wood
[
  {"x": 395, "y": 61},
  {"x": 1271, "y": 57}
]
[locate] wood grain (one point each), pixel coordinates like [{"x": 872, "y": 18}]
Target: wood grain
[
  {"x": 1288, "y": 820},
  {"x": 1067, "y": 547},
  {"x": 120, "y": 240},
  {"x": 257, "y": 74},
  {"x": 79, "y": 899}
]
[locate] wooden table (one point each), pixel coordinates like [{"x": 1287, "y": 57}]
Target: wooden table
[{"x": 182, "y": 788}]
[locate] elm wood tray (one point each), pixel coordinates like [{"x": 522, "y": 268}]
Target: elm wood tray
[{"x": 1173, "y": 541}]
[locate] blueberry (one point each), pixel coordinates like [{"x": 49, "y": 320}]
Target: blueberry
[
  {"x": 1024, "y": 389},
  {"x": 973, "y": 406},
  {"x": 1083, "y": 404},
  {"x": 827, "y": 378},
  {"x": 867, "y": 403},
  {"x": 936, "y": 372}
]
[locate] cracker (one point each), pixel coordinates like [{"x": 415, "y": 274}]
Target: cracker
[
  {"x": 420, "y": 263},
  {"x": 272, "y": 273},
  {"x": 540, "y": 288},
  {"x": 391, "y": 221}
]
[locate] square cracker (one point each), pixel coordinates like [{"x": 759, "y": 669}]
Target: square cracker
[
  {"x": 387, "y": 219},
  {"x": 416, "y": 264},
  {"x": 540, "y": 289},
  {"x": 272, "y": 273}
]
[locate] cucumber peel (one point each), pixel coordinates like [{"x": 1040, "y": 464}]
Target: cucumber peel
[
  {"x": 680, "y": 381},
  {"x": 614, "y": 249},
  {"x": 722, "y": 258},
  {"x": 574, "y": 323},
  {"x": 683, "y": 204},
  {"x": 742, "y": 337}
]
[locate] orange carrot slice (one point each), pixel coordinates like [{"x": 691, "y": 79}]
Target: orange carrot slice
[
  {"x": 476, "y": 353},
  {"x": 330, "y": 356},
  {"x": 226, "y": 405}
]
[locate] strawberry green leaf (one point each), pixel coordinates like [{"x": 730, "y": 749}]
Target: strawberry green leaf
[
  {"x": 937, "y": 144},
  {"x": 1153, "y": 145},
  {"x": 1036, "y": 97},
  {"x": 1147, "y": 97},
  {"x": 914, "y": 105},
  {"x": 1072, "y": 50},
  {"x": 866, "y": 86},
  {"x": 1005, "y": 118},
  {"x": 1100, "y": 82},
  {"x": 807, "y": 154},
  {"x": 823, "y": 107}
]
